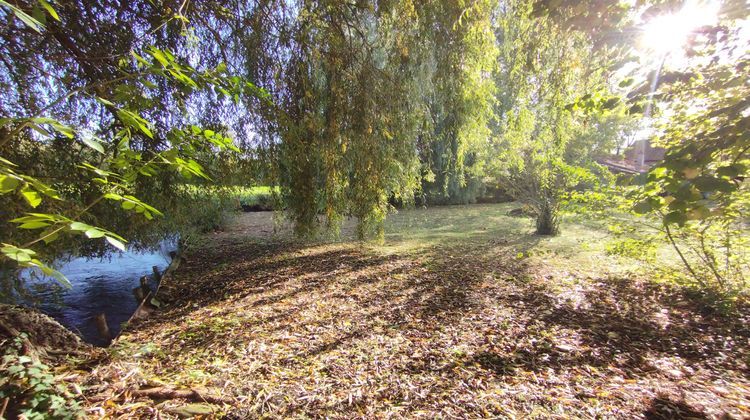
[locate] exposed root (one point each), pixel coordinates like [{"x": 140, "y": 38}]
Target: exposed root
[{"x": 165, "y": 393}]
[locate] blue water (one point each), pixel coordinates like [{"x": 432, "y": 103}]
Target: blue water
[{"x": 99, "y": 285}]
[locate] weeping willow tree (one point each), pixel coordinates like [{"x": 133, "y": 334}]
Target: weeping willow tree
[
  {"x": 347, "y": 136},
  {"x": 110, "y": 107},
  {"x": 370, "y": 85},
  {"x": 462, "y": 57}
]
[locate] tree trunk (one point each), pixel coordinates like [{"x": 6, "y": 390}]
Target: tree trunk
[{"x": 546, "y": 219}]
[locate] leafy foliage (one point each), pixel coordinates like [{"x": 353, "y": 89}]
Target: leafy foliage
[
  {"x": 347, "y": 140},
  {"x": 96, "y": 166},
  {"x": 543, "y": 67},
  {"x": 112, "y": 129},
  {"x": 462, "y": 56},
  {"x": 700, "y": 191},
  {"x": 31, "y": 388}
]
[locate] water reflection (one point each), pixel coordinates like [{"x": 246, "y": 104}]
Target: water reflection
[{"x": 99, "y": 286}]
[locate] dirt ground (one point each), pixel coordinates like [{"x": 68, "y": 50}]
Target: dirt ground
[{"x": 457, "y": 315}]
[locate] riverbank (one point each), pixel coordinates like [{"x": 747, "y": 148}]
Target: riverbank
[
  {"x": 100, "y": 287},
  {"x": 461, "y": 313}
]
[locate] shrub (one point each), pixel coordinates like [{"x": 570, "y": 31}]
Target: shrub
[
  {"x": 257, "y": 199},
  {"x": 31, "y": 389},
  {"x": 639, "y": 249}
]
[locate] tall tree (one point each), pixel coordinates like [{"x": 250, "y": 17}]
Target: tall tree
[
  {"x": 463, "y": 53},
  {"x": 544, "y": 66},
  {"x": 347, "y": 137}
]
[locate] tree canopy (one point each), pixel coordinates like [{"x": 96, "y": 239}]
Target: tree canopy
[{"x": 114, "y": 113}]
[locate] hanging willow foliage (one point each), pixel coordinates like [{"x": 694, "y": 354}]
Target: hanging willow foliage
[
  {"x": 359, "y": 80},
  {"x": 334, "y": 102},
  {"x": 463, "y": 55}
]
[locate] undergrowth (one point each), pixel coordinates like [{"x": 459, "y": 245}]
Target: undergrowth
[{"x": 29, "y": 389}]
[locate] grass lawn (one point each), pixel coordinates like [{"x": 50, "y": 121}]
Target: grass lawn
[
  {"x": 261, "y": 197},
  {"x": 461, "y": 313}
]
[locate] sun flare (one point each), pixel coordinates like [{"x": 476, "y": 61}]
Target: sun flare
[{"x": 668, "y": 33}]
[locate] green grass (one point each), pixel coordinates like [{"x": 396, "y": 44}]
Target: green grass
[
  {"x": 261, "y": 196},
  {"x": 581, "y": 247}
]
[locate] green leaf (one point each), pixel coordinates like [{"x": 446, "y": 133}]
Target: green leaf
[
  {"x": 677, "y": 217},
  {"x": 81, "y": 227},
  {"x": 658, "y": 172},
  {"x": 28, "y": 20},
  {"x": 142, "y": 62},
  {"x": 106, "y": 102},
  {"x": 610, "y": 103},
  {"x": 32, "y": 197},
  {"x": 94, "y": 233},
  {"x": 627, "y": 82},
  {"x": 51, "y": 238},
  {"x": 142, "y": 205},
  {"x": 33, "y": 225},
  {"x": 698, "y": 213},
  {"x": 37, "y": 13},
  {"x": 34, "y": 217},
  {"x": 136, "y": 121},
  {"x": 711, "y": 184},
  {"x": 40, "y": 130},
  {"x": 41, "y": 187},
  {"x": 643, "y": 207},
  {"x": 65, "y": 130},
  {"x": 15, "y": 253},
  {"x": 636, "y": 109},
  {"x": 98, "y": 171},
  {"x": 50, "y": 10},
  {"x": 677, "y": 205},
  {"x": 8, "y": 184},
  {"x": 93, "y": 143},
  {"x": 731, "y": 171},
  {"x": 159, "y": 56},
  {"x": 7, "y": 162},
  {"x": 115, "y": 243},
  {"x": 60, "y": 277}
]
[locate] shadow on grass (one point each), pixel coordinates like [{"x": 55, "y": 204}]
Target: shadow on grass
[
  {"x": 665, "y": 408},
  {"x": 616, "y": 325}
]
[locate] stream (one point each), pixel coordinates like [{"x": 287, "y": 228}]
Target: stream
[{"x": 99, "y": 285}]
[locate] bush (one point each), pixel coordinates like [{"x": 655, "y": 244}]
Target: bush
[
  {"x": 638, "y": 249},
  {"x": 257, "y": 199},
  {"x": 31, "y": 389},
  {"x": 710, "y": 255}
]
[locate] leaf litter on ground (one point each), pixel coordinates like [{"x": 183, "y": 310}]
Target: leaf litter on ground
[{"x": 454, "y": 327}]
